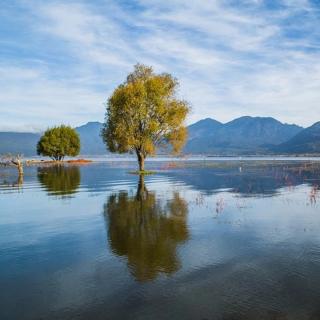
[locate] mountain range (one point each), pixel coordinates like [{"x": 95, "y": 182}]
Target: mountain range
[
  {"x": 244, "y": 135},
  {"x": 306, "y": 141},
  {"x": 240, "y": 136}
]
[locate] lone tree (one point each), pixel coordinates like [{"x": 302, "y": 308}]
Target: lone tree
[
  {"x": 58, "y": 142},
  {"x": 144, "y": 113}
]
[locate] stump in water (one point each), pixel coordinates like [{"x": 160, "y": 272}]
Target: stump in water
[
  {"x": 18, "y": 163},
  {"x": 8, "y": 160}
]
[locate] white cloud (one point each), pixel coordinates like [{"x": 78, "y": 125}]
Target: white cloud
[
  {"x": 231, "y": 60},
  {"x": 30, "y": 95}
]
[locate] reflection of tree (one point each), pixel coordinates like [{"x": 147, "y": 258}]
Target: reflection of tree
[
  {"x": 19, "y": 181},
  {"x": 146, "y": 231},
  {"x": 16, "y": 183},
  {"x": 60, "y": 180}
]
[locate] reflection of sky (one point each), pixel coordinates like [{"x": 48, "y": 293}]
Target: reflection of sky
[
  {"x": 288, "y": 218},
  {"x": 60, "y": 246}
]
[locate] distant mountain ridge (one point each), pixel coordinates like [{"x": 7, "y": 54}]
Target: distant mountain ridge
[
  {"x": 306, "y": 141},
  {"x": 91, "y": 141},
  {"x": 244, "y": 135},
  {"x": 19, "y": 142},
  {"x": 239, "y": 136}
]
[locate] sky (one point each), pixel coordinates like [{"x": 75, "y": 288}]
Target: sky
[{"x": 61, "y": 60}]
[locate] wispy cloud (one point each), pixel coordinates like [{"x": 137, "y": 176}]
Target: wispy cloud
[{"x": 61, "y": 60}]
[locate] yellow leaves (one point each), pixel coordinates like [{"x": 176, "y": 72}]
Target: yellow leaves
[
  {"x": 149, "y": 146},
  {"x": 141, "y": 72},
  {"x": 177, "y": 138},
  {"x": 143, "y": 111}
]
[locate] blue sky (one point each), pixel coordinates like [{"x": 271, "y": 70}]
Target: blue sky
[{"x": 60, "y": 60}]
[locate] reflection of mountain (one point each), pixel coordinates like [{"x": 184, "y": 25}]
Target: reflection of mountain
[
  {"x": 60, "y": 180},
  {"x": 146, "y": 231},
  {"x": 248, "y": 180}
]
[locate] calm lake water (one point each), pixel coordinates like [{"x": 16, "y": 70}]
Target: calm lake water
[{"x": 196, "y": 240}]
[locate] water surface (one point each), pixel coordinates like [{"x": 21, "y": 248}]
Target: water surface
[{"x": 197, "y": 240}]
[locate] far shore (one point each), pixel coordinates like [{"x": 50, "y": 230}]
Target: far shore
[
  {"x": 182, "y": 157},
  {"x": 53, "y": 162},
  {"x": 207, "y": 160}
]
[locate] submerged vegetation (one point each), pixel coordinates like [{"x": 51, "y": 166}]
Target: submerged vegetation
[{"x": 144, "y": 172}]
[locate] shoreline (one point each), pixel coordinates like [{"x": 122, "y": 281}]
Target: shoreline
[{"x": 53, "y": 162}]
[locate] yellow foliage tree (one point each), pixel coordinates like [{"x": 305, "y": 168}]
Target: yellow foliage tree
[{"x": 144, "y": 113}]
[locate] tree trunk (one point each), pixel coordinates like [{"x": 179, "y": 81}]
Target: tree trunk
[{"x": 141, "y": 161}]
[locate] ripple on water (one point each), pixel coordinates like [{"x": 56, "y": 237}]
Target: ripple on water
[{"x": 211, "y": 243}]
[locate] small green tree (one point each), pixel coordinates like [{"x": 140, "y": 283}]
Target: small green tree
[
  {"x": 58, "y": 142},
  {"x": 144, "y": 113}
]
